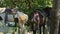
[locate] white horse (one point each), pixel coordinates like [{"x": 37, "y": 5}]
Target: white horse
[
  {"x": 22, "y": 17},
  {"x": 22, "y": 20}
]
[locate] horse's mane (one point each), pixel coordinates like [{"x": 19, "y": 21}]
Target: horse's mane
[
  {"x": 41, "y": 12},
  {"x": 30, "y": 16},
  {"x": 47, "y": 10}
]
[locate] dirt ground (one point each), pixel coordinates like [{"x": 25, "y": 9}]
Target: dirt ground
[
  {"x": 32, "y": 33},
  {"x": 25, "y": 33}
]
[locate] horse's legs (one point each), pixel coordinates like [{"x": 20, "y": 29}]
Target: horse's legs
[
  {"x": 22, "y": 28},
  {"x": 34, "y": 28},
  {"x": 44, "y": 29},
  {"x": 34, "y": 31},
  {"x": 40, "y": 29},
  {"x": 13, "y": 32},
  {"x": 18, "y": 29}
]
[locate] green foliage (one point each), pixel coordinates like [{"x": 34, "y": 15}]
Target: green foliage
[{"x": 26, "y": 5}]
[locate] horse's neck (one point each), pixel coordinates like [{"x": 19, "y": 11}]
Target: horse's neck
[
  {"x": 20, "y": 13},
  {"x": 15, "y": 16}
]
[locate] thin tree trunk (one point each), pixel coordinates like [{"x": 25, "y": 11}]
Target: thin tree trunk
[
  {"x": 59, "y": 24},
  {"x": 54, "y": 25},
  {"x": 59, "y": 28}
]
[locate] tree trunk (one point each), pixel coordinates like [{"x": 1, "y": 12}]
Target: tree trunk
[
  {"x": 59, "y": 24},
  {"x": 59, "y": 28},
  {"x": 54, "y": 25}
]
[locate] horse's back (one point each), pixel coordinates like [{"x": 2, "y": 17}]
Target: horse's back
[
  {"x": 47, "y": 11},
  {"x": 22, "y": 16}
]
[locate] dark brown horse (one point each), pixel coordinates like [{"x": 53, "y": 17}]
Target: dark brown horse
[{"x": 38, "y": 18}]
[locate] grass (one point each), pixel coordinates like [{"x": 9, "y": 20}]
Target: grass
[
  {"x": 10, "y": 29},
  {"x": 1, "y": 33}
]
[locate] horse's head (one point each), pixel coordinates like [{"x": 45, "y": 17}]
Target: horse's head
[
  {"x": 14, "y": 11},
  {"x": 35, "y": 16}
]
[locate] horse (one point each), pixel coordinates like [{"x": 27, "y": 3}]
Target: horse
[
  {"x": 22, "y": 19},
  {"x": 17, "y": 16},
  {"x": 37, "y": 19}
]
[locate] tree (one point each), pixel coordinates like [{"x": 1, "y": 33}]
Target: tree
[
  {"x": 54, "y": 26},
  {"x": 59, "y": 28},
  {"x": 25, "y": 4}
]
